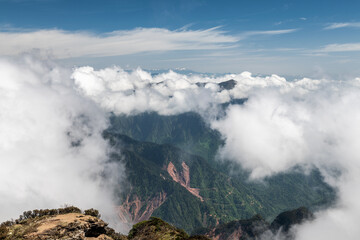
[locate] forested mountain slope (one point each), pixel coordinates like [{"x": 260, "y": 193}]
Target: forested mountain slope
[{"x": 191, "y": 192}]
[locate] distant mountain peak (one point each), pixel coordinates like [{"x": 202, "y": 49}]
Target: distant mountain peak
[{"x": 227, "y": 85}]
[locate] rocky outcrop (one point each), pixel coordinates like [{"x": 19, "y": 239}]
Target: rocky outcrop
[
  {"x": 285, "y": 220},
  {"x": 47, "y": 224},
  {"x": 183, "y": 178},
  {"x": 63, "y": 226}
]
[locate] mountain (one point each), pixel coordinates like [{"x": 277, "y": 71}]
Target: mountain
[
  {"x": 62, "y": 223},
  {"x": 286, "y": 219},
  {"x": 257, "y": 228},
  {"x": 251, "y": 228},
  {"x": 187, "y": 131},
  {"x": 228, "y": 85},
  {"x": 190, "y": 192},
  {"x": 72, "y": 223},
  {"x": 155, "y": 228}
]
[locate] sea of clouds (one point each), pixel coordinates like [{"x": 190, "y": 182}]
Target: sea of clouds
[
  {"x": 51, "y": 119},
  {"x": 312, "y": 123}
]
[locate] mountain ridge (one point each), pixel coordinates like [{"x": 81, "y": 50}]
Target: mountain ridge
[
  {"x": 72, "y": 223},
  {"x": 225, "y": 197}
]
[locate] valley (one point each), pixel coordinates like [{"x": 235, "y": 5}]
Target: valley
[{"x": 172, "y": 173}]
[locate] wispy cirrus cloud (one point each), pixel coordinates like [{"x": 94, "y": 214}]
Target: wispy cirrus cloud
[
  {"x": 66, "y": 44},
  {"x": 269, "y": 32},
  {"x": 342, "y": 25},
  {"x": 73, "y": 44},
  {"x": 345, "y": 47}
]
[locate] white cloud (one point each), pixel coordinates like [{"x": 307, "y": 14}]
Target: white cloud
[
  {"x": 41, "y": 118},
  {"x": 271, "y": 32},
  {"x": 65, "y": 44},
  {"x": 167, "y": 93},
  {"x": 262, "y": 136},
  {"x": 345, "y": 47},
  {"x": 130, "y": 93},
  {"x": 277, "y": 130},
  {"x": 343, "y": 25}
]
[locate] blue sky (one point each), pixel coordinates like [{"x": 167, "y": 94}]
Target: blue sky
[{"x": 305, "y": 38}]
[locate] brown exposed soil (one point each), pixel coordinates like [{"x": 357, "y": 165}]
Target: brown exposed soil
[
  {"x": 135, "y": 210},
  {"x": 66, "y": 226},
  {"x": 183, "y": 178},
  {"x": 236, "y": 234}
]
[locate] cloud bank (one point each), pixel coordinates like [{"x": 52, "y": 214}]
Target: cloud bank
[
  {"x": 51, "y": 149},
  {"x": 138, "y": 91},
  {"x": 306, "y": 122}
]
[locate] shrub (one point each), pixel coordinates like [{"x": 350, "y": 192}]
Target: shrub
[
  {"x": 8, "y": 223},
  {"x": 69, "y": 209},
  {"x": 92, "y": 212},
  {"x": 3, "y": 231}
]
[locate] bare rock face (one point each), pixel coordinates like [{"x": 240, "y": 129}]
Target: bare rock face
[
  {"x": 64, "y": 226},
  {"x": 134, "y": 210}
]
